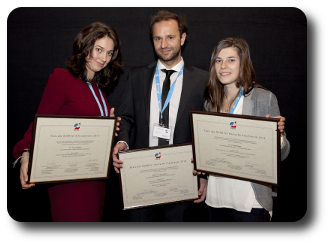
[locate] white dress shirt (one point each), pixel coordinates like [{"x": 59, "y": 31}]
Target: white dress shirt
[{"x": 173, "y": 104}]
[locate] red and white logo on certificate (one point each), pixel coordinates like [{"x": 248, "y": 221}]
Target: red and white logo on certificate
[
  {"x": 76, "y": 126},
  {"x": 233, "y": 125},
  {"x": 158, "y": 155}
]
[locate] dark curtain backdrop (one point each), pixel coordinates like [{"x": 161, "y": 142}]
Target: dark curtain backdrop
[{"x": 40, "y": 39}]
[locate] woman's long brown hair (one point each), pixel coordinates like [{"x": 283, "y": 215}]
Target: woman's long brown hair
[{"x": 214, "y": 91}]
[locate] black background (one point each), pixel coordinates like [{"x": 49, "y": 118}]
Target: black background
[{"x": 40, "y": 40}]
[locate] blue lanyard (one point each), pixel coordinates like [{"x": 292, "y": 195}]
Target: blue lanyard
[
  {"x": 236, "y": 101},
  {"x": 97, "y": 100},
  {"x": 158, "y": 89}
]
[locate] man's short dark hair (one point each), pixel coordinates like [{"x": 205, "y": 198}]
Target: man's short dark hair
[{"x": 165, "y": 15}]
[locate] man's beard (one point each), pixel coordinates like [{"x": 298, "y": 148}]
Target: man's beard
[{"x": 174, "y": 56}]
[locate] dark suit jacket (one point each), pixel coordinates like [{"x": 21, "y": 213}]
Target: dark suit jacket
[{"x": 135, "y": 108}]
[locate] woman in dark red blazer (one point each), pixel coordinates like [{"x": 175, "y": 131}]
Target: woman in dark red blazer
[{"x": 78, "y": 90}]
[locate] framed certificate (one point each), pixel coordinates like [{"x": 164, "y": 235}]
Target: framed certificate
[
  {"x": 236, "y": 146},
  {"x": 70, "y": 148},
  {"x": 157, "y": 175}
]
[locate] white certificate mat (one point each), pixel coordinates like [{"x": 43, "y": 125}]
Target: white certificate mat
[
  {"x": 70, "y": 148},
  {"x": 241, "y": 147},
  {"x": 157, "y": 175}
]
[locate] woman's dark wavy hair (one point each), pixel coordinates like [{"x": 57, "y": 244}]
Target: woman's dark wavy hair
[
  {"x": 83, "y": 46},
  {"x": 214, "y": 91}
]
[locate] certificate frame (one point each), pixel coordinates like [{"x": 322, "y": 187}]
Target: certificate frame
[
  {"x": 224, "y": 124},
  {"x": 140, "y": 189},
  {"x": 58, "y": 137}
]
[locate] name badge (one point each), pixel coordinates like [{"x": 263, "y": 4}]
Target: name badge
[{"x": 162, "y": 132}]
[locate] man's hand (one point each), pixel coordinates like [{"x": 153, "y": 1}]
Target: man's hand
[
  {"x": 202, "y": 190},
  {"x": 112, "y": 114},
  {"x": 117, "y": 164},
  {"x": 194, "y": 171},
  {"x": 202, "y": 184}
]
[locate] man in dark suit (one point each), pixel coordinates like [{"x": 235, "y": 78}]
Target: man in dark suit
[{"x": 143, "y": 104}]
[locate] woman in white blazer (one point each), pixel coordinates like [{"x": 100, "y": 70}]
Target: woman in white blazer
[{"x": 232, "y": 88}]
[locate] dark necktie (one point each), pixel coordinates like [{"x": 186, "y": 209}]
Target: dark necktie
[{"x": 165, "y": 89}]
